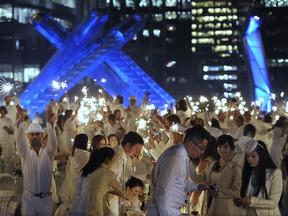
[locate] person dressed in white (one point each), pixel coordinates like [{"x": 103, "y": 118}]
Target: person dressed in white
[
  {"x": 130, "y": 146},
  {"x": 133, "y": 112},
  {"x": 96, "y": 181},
  {"x": 70, "y": 128},
  {"x": 6, "y": 140},
  {"x": 38, "y": 119},
  {"x": 170, "y": 177},
  {"x": 79, "y": 158},
  {"x": 262, "y": 183},
  {"x": 10, "y": 102},
  {"x": 278, "y": 140},
  {"x": 37, "y": 166}
]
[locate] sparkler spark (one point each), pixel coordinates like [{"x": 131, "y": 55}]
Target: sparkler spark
[
  {"x": 7, "y": 88},
  {"x": 56, "y": 86}
]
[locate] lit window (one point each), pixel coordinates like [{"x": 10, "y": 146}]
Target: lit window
[
  {"x": 194, "y": 26},
  {"x": 144, "y": 3},
  {"x": 156, "y": 32},
  {"x": 171, "y": 15},
  {"x": 171, "y": 28},
  {"x": 171, "y": 64},
  {"x": 30, "y": 72},
  {"x": 170, "y": 3},
  {"x": 157, "y": 3},
  {"x": 145, "y": 33},
  {"x": 158, "y": 17}
]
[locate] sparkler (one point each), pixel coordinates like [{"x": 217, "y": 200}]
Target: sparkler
[
  {"x": 7, "y": 88},
  {"x": 56, "y": 86}
]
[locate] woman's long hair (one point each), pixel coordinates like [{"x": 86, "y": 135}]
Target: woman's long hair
[
  {"x": 98, "y": 157},
  {"x": 60, "y": 122},
  {"x": 96, "y": 141},
  {"x": 265, "y": 162},
  {"x": 81, "y": 142}
]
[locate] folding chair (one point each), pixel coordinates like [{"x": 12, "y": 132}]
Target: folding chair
[{"x": 7, "y": 189}]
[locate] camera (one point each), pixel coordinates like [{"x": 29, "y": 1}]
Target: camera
[{"x": 213, "y": 188}]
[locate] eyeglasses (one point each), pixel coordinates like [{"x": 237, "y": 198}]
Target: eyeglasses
[{"x": 200, "y": 147}]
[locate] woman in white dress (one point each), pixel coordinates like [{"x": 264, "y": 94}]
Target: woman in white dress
[
  {"x": 278, "y": 140},
  {"x": 96, "y": 181},
  {"x": 60, "y": 133},
  {"x": 261, "y": 183},
  {"x": 78, "y": 159}
]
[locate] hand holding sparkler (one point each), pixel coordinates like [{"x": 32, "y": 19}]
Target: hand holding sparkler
[
  {"x": 50, "y": 116},
  {"x": 21, "y": 113},
  {"x": 151, "y": 140}
]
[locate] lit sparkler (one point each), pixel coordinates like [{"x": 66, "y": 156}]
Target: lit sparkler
[
  {"x": 56, "y": 86},
  {"x": 7, "y": 88}
]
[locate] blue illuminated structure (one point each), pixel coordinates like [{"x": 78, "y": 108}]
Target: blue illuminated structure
[
  {"x": 257, "y": 63},
  {"x": 87, "y": 51}
]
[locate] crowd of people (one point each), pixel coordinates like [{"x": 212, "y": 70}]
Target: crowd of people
[{"x": 138, "y": 161}]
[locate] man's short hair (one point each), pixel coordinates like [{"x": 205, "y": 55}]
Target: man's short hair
[
  {"x": 3, "y": 108},
  {"x": 196, "y": 133},
  {"x": 174, "y": 119},
  {"x": 112, "y": 117},
  {"x": 133, "y": 138},
  {"x": 249, "y": 130},
  {"x": 120, "y": 98}
]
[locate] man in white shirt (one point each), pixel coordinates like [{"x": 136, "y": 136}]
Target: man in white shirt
[
  {"x": 132, "y": 114},
  {"x": 130, "y": 146},
  {"x": 6, "y": 140},
  {"x": 38, "y": 119},
  {"x": 10, "y": 102},
  {"x": 37, "y": 166},
  {"x": 112, "y": 126},
  {"x": 170, "y": 177}
]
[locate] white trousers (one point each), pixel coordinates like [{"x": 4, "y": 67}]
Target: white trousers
[{"x": 32, "y": 205}]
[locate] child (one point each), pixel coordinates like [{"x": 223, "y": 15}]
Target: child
[{"x": 134, "y": 187}]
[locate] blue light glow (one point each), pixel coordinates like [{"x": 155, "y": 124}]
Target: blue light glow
[
  {"x": 255, "y": 53},
  {"x": 86, "y": 52}
]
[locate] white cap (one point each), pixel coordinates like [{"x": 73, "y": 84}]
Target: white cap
[
  {"x": 251, "y": 146},
  {"x": 34, "y": 128},
  {"x": 215, "y": 132},
  {"x": 243, "y": 140},
  {"x": 247, "y": 143},
  {"x": 133, "y": 98},
  {"x": 178, "y": 128}
]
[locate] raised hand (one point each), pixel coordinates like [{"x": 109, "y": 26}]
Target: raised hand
[{"x": 20, "y": 112}]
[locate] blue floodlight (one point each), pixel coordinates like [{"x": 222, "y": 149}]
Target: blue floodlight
[
  {"x": 255, "y": 53},
  {"x": 86, "y": 52}
]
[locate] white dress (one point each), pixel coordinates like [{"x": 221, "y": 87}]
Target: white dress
[{"x": 278, "y": 142}]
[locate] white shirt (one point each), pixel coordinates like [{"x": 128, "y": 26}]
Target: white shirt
[
  {"x": 122, "y": 165},
  {"x": 93, "y": 189},
  {"x": 5, "y": 137},
  {"x": 170, "y": 180},
  {"x": 69, "y": 128},
  {"x": 38, "y": 120},
  {"x": 37, "y": 169},
  {"x": 109, "y": 129},
  {"x": 77, "y": 162}
]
